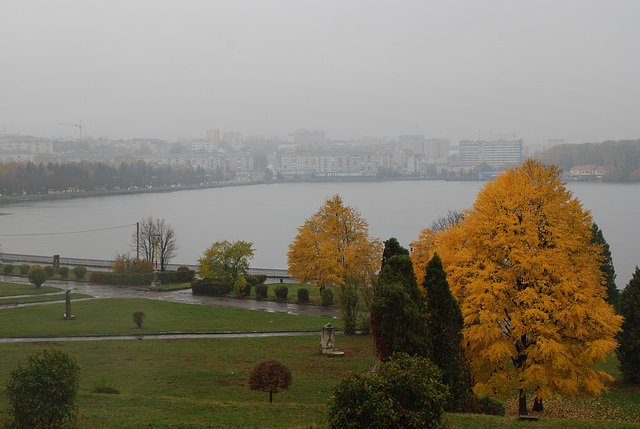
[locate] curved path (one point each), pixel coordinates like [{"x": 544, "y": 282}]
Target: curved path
[{"x": 182, "y": 296}]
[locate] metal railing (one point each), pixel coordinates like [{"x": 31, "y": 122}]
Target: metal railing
[{"x": 17, "y": 259}]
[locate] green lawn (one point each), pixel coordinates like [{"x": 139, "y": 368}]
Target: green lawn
[
  {"x": 42, "y": 298},
  {"x": 14, "y": 289},
  {"x": 115, "y": 317},
  {"x": 184, "y": 383},
  {"x": 202, "y": 382}
]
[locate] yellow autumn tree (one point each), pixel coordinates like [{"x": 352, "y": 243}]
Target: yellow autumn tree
[
  {"x": 333, "y": 247},
  {"x": 528, "y": 282}
]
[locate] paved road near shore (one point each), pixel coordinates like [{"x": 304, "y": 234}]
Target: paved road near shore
[{"x": 183, "y": 296}]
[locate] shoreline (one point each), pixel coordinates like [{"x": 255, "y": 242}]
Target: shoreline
[{"x": 17, "y": 199}]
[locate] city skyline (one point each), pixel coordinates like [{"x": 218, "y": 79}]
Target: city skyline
[{"x": 459, "y": 70}]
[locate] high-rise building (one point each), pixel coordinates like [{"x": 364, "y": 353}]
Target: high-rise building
[{"x": 496, "y": 154}]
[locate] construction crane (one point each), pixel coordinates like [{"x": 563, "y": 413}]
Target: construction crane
[{"x": 79, "y": 125}]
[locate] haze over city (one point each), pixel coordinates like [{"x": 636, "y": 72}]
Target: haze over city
[{"x": 451, "y": 69}]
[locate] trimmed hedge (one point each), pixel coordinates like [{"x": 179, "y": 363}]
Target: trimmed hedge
[
  {"x": 303, "y": 296},
  {"x": 165, "y": 277},
  {"x": 64, "y": 272},
  {"x": 172, "y": 277},
  {"x": 281, "y": 292},
  {"x": 262, "y": 291},
  {"x": 8, "y": 269},
  {"x": 326, "y": 297},
  {"x": 24, "y": 269},
  {"x": 51, "y": 271},
  {"x": 211, "y": 288},
  {"x": 107, "y": 278},
  {"x": 80, "y": 272}
]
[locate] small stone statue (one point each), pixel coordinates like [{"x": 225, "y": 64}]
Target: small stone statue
[{"x": 327, "y": 341}]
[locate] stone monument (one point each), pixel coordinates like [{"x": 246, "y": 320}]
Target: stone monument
[
  {"x": 67, "y": 315},
  {"x": 327, "y": 341}
]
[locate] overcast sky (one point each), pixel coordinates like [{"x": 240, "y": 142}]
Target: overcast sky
[{"x": 471, "y": 69}]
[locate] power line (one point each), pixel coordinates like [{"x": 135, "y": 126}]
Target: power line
[{"x": 66, "y": 233}]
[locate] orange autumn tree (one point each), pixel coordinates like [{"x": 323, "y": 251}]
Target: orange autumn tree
[
  {"x": 528, "y": 281},
  {"x": 333, "y": 247}
]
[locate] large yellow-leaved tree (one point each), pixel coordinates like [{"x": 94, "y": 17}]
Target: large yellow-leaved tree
[
  {"x": 527, "y": 277},
  {"x": 333, "y": 247}
]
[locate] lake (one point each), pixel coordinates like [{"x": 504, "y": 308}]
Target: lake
[{"x": 269, "y": 215}]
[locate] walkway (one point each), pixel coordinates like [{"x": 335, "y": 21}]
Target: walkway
[{"x": 182, "y": 296}]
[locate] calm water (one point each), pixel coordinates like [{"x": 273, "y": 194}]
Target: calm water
[{"x": 269, "y": 215}]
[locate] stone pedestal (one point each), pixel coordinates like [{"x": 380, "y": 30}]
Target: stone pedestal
[
  {"x": 67, "y": 315},
  {"x": 327, "y": 341},
  {"x": 156, "y": 281}
]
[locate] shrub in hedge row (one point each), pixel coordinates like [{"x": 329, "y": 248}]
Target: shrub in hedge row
[
  {"x": 80, "y": 272},
  {"x": 281, "y": 292},
  {"x": 64, "y": 272},
  {"x": 181, "y": 276},
  {"x": 24, "y": 269},
  {"x": 261, "y": 278},
  {"x": 252, "y": 280},
  {"x": 262, "y": 291},
  {"x": 51, "y": 271},
  {"x": 303, "y": 296},
  {"x": 103, "y": 277},
  {"x": 8, "y": 269},
  {"x": 326, "y": 297},
  {"x": 212, "y": 288}
]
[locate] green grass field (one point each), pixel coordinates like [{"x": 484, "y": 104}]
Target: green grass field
[{"x": 184, "y": 383}]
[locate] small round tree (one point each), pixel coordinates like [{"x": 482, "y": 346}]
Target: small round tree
[
  {"x": 270, "y": 376},
  {"x": 628, "y": 350},
  {"x": 37, "y": 276},
  {"x": 43, "y": 392}
]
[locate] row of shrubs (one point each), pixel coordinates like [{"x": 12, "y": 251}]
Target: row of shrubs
[
  {"x": 165, "y": 277},
  {"x": 80, "y": 272},
  {"x": 220, "y": 288}
]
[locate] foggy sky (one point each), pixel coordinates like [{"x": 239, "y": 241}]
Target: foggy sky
[{"x": 552, "y": 69}]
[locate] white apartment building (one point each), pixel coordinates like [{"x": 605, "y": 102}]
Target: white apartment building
[
  {"x": 496, "y": 153},
  {"x": 329, "y": 163}
]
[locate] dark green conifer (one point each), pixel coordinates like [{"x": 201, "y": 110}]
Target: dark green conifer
[
  {"x": 628, "y": 350},
  {"x": 398, "y": 313},
  {"x": 445, "y": 332},
  {"x": 613, "y": 295}
]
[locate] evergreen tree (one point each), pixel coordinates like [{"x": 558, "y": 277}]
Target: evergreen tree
[
  {"x": 613, "y": 295},
  {"x": 445, "y": 331},
  {"x": 628, "y": 350},
  {"x": 398, "y": 314}
]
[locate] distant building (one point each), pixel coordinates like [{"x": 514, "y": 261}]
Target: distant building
[
  {"x": 496, "y": 154},
  {"x": 233, "y": 139},
  {"x": 587, "y": 172},
  {"x": 327, "y": 162},
  {"x": 426, "y": 148},
  {"x": 303, "y": 136}
]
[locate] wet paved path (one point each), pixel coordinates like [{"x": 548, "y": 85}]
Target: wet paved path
[{"x": 181, "y": 296}]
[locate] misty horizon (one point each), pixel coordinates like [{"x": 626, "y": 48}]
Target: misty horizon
[{"x": 460, "y": 70}]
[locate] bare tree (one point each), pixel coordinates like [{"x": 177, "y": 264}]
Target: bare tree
[
  {"x": 443, "y": 223},
  {"x": 154, "y": 233}
]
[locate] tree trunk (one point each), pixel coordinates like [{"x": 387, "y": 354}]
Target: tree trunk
[
  {"x": 522, "y": 403},
  {"x": 270, "y": 397},
  {"x": 537, "y": 404}
]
